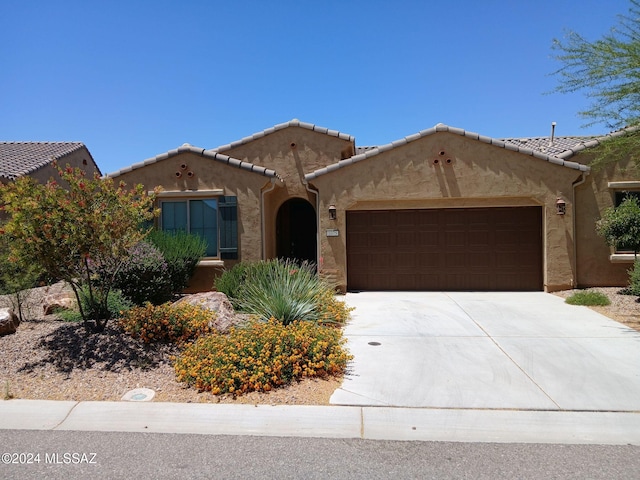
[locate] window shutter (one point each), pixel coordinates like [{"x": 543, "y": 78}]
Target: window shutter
[{"x": 228, "y": 211}]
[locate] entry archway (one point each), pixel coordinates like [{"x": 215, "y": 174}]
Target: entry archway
[{"x": 296, "y": 231}]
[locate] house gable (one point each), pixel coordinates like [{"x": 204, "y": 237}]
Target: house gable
[
  {"x": 375, "y": 151},
  {"x": 201, "y": 152},
  {"x": 293, "y": 148}
]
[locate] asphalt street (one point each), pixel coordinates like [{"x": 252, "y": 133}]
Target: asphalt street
[{"x": 175, "y": 456}]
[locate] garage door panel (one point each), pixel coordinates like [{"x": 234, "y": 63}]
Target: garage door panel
[{"x": 445, "y": 249}]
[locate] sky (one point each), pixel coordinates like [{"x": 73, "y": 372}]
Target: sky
[{"x": 132, "y": 79}]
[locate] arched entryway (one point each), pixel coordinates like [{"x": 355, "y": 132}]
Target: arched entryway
[{"x": 296, "y": 231}]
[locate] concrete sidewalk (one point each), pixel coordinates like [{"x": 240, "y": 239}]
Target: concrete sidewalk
[{"x": 375, "y": 423}]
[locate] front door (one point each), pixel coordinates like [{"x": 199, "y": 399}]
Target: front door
[{"x": 296, "y": 231}]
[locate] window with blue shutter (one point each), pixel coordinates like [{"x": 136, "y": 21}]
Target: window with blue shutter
[{"x": 214, "y": 219}]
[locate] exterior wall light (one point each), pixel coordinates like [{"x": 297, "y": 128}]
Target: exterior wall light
[
  {"x": 561, "y": 206},
  {"x": 332, "y": 212}
]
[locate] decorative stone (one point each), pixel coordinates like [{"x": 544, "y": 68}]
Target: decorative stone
[
  {"x": 8, "y": 321},
  {"x": 59, "y": 301},
  {"x": 225, "y": 316},
  {"x": 139, "y": 395}
]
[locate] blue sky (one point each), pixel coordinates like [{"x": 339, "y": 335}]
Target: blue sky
[{"x": 132, "y": 79}]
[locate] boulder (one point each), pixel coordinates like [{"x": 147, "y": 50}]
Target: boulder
[
  {"x": 8, "y": 321},
  {"x": 58, "y": 301},
  {"x": 225, "y": 316}
]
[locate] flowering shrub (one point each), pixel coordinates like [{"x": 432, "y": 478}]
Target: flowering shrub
[
  {"x": 167, "y": 323},
  {"x": 331, "y": 310},
  {"x": 144, "y": 276},
  {"x": 261, "y": 356}
]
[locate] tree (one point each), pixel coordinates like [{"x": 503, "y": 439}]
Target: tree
[
  {"x": 16, "y": 280},
  {"x": 76, "y": 230},
  {"x": 608, "y": 71},
  {"x": 620, "y": 226}
]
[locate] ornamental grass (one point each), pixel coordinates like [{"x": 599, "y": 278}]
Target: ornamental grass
[
  {"x": 282, "y": 289},
  {"x": 167, "y": 323},
  {"x": 262, "y": 356}
]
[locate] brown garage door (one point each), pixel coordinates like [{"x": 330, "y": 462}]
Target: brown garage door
[{"x": 445, "y": 249}]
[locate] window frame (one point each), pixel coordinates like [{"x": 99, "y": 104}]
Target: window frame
[
  {"x": 226, "y": 219},
  {"x": 619, "y": 190}
]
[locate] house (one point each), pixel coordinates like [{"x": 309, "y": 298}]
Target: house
[
  {"x": 442, "y": 209},
  {"x": 35, "y": 159}
]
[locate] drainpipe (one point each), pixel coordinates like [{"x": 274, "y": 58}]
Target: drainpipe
[
  {"x": 262, "y": 217},
  {"x": 316, "y": 193},
  {"x": 577, "y": 183}
]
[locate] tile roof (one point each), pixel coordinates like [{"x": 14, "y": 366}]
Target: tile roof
[
  {"x": 211, "y": 154},
  {"x": 520, "y": 146},
  {"x": 22, "y": 158},
  {"x": 559, "y": 145},
  {"x": 292, "y": 123}
]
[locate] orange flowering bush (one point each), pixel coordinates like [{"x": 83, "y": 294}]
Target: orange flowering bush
[
  {"x": 331, "y": 310},
  {"x": 261, "y": 356},
  {"x": 167, "y": 323}
]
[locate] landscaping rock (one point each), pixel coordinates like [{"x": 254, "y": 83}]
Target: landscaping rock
[
  {"x": 8, "y": 321},
  {"x": 58, "y": 301},
  {"x": 225, "y": 316}
]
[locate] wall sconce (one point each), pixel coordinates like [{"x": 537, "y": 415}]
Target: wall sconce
[
  {"x": 332, "y": 212},
  {"x": 561, "y": 206}
]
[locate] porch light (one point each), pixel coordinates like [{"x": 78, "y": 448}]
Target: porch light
[
  {"x": 561, "y": 206},
  {"x": 332, "y": 212}
]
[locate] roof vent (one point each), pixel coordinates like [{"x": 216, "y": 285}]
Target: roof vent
[{"x": 553, "y": 133}]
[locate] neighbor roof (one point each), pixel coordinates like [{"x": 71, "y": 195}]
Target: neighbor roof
[{"x": 22, "y": 158}]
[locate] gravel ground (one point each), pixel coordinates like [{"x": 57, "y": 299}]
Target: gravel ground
[
  {"x": 54, "y": 360},
  {"x": 50, "y": 359}
]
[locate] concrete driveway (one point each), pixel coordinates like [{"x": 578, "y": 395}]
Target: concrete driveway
[{"x": 486, "y": 350}]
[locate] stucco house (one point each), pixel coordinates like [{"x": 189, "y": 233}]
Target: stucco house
[
  {"x": 442, "y": 209},
  {"x": 35, "y": 159}
]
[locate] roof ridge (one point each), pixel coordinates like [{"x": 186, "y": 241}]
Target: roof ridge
[
  {"x": 441, "y": 127},
  {"x": 203, "y": 152},
  {"x": 291, "y": 123}
]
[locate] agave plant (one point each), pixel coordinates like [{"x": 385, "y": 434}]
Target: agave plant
[{"x": 282, "y": 289}]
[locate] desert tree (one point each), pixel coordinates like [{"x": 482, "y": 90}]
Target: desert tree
[
  {"x": 73, "y": 228},
  {"x": 607, "y": 71}
]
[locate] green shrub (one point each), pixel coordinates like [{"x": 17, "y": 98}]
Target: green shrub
[
  {"x": 588, "y": 298},
  {"x": 231, "y": 281},
  {"x": 167, "y": 323},
  {"x": 182, "y": 253},
  {"x": 116, "y": 304},
  {"x": 261, "y": 356},
  {"x": 634, "y": 280},
  {"x": 283, "y": 290},
  {"x": 144, "y": 277}
]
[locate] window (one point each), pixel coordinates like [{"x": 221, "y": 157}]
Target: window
[
  {"x": 619, "y": 197},
  {"x": 214, "y": 219}
]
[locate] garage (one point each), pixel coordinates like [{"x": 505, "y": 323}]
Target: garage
[{"x": 497, "y": 248}]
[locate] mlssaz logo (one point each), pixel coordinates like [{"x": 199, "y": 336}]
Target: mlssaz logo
[{"x": 70, "y": 458}]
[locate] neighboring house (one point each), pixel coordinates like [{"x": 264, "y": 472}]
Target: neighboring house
[
  {"x": 35, "y": 159},
  {"x": 443, "y": 209}
]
